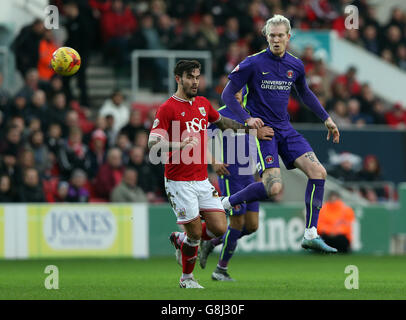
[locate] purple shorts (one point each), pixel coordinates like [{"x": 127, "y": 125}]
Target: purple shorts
[
  {"x": 288, "y": 143},
  {"x": 232, "y": 184}
]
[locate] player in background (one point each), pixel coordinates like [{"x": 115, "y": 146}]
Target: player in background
[
  {"x": 243, "y": 219},
  {"x": 268, "y": 77},
  {"x": 179, "y": 132}
]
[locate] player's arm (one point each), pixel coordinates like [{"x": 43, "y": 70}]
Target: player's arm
[
  {"x": 219, "y": 167},
  {"x": 231, "y": 101},
  {"x": 165, "y": 145},
  {"x": 310, "y": 100},
  {"x": 263, "y": 133}
]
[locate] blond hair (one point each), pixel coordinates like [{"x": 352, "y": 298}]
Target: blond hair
[{"x": 277, "y": 19}]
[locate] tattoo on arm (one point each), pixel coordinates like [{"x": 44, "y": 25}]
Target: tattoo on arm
[
  {"x": 270, "y": 180},
  {"x": 227, "y": 123},
  {"x": 312, "y": 157}
]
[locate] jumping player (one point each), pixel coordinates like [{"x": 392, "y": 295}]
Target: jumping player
[
  {"x": 243, "y": 218},
  {"x": 268, "y": 77},
  {"x": 179, "y": 131}
]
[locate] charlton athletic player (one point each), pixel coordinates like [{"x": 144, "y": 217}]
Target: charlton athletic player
[
  {"x": 179, "y": 131},
  {"x": 268, "y": 77}
]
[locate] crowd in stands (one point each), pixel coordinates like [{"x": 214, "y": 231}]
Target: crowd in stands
[{"x": 59, "y": 147}]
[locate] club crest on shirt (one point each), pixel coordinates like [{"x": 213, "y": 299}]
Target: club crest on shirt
[
  {"x": 269, "y": 159},
  {"x": 155, "y": 124},
  {"x": 202, "y": 111},
  {"x": 289, "y": 74}
]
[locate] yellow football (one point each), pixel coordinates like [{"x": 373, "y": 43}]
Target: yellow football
[{"x": 65, "y": 61}]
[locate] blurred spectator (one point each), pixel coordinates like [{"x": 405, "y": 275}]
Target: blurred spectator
[
  {"x": 356, "y": 116},
  {"x": 166, "y": 30},
  {"x": 148, "y": 175},
  {"x": 345, "y": 171},
  {"x": 5, "y": 96},
  {"x": 118, "y": 108},
  {"x": 109, "y": 130},
  {"x": 127, "y": 190},
  {"x": 371, "y": 171},
  {"x": 134, "y": 125},
  {"x": 370, "y": 39},
  {"x": 349, "y": 81},
  {"x": 124, "y": 144},
  {"x": 77, "y": 191},
  {"x": 335, "y": 223},
  {"x": 6, "y": 191},
  {"x": 8, "y": 165},
  {"x": 396, "y": 117},
  {"x": 400, "y": 58},
  {"x": 378, "y": 112},
  {"x": 79, "y": 37},
  {"x": 209, "y": 31},
  {"x": 31, "y": 84},
  {"x": 340, "y": 114},
  {"x": 13, "y": 141},
  {"x": 393, "y": 38},
  {"x": 73, "y": 154},
  {"x": 387, "y": 55},
  {"x": 55, "y": 85},
  {"x": 97, "y": 152},
  {"x": 58, "y": 108},
  {"x": 31, "y": 190},
  {"x": 109, "y": 175},
  {"x": 117, "y": 24},
  {"x": 39, "y": 148},
  {"x": 26, "y": 46},
  {"x": 62, "y": 192},
  {"x": 141, "y": 140},
  {"x": 47, "y": 47},
  {"x": 54, "y": 139},
  {"x": 39, "y": 109}
]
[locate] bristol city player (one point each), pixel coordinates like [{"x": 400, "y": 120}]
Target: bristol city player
[{"x": 180, "y": 129}]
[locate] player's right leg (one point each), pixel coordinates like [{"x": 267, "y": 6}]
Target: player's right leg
[{"x": 184, "y": 201}]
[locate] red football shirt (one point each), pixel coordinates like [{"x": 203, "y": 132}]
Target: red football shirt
[{"x": 178, "y": 119}]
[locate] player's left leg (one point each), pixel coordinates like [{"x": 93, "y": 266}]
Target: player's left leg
[{"x": 316, "y": 173}]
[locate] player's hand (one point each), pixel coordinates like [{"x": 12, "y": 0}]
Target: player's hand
[
  {"x": 189, "y": 142},
  {"x": 254, "y": 123},
  {"x": 221, "y": 169},
  {"x": 265, "y": 133},
  {"x": 332, "y": 130}
]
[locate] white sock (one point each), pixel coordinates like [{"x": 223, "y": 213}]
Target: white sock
[
  {"x": 310, "y": 233},
  {"x": 226, "y": 203},
  {"x": 186, "y": 276}
]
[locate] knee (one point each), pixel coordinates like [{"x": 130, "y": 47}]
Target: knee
[
  {"x": 318, "y": 172},
  {"x": 237, "y": 222},
  {"x": 219, "y": 229}
]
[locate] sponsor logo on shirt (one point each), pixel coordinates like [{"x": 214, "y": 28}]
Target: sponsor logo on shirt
[
  {"x": 196, "y": 125},
  {"x": 276, "y": 85}
]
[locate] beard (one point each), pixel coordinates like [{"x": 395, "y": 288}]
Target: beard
[{"x": 188, "y": 91}]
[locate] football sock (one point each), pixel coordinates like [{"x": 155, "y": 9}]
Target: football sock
[
  {"x": 206, "y": 233},
  {"x": 314, "y": 201},
  {"x": 189, "y": 255},
  {"x": 253, "y": 192},
  {"x": 229, "y": 244},
  {"x": 244, "y": 232}
]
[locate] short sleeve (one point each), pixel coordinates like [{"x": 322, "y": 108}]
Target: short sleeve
[
  {"x": 213, "y": 115},
  {"x": 162, "y": 122},
  {"x": 241, "y": 73}
]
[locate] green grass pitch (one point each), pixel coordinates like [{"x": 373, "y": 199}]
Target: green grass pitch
[{"x": 301, "y": 276}]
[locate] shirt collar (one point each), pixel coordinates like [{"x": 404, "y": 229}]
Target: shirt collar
[{"x": 275, "y": 57}]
